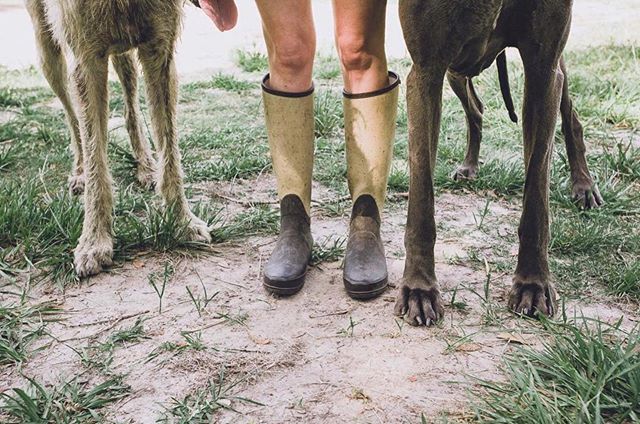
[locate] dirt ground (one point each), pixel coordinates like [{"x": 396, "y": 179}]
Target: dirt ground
[
  {"x": 317, "y": 357},
  {"x": 298, "y": 356}
]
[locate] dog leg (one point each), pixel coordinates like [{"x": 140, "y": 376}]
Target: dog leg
[
  {"x": 473, "y": 109},
  {"x": 54, "y": 68},
  {"x": 584, "y": 192},
  {"x": 128, "y": 74},
  {"x": 162, "y": 93},
  {"x": 95, "y": 247},
  {"x": 419, "y": 300},
  {"x": 532, "y": 292}
]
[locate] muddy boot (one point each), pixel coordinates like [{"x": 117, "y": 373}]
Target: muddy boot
[
  {"x": 365, "y": 267},
  {"x": 285, "y": 271},
  {"x": 370, "y": 122},
  {"x": 290, "y": 129}
]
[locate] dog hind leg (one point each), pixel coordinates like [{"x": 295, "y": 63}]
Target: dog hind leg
[
  {"x": 54, "y": 68},
  {"x": 583, "y": 191},
  {"x": 473, "y": 109},
  {"x": 125, "y": 67}
]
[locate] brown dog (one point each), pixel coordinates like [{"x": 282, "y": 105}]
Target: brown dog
[
  {"x": 464, "y": 37},
  {"x": 88, "y": 32},
  {"x": 583, "y": 190}
]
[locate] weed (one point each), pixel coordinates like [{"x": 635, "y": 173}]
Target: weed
[
  {"x": 20, "y": 325},
  {"x": 251, "y": 61},
  {"x": 230, "y": 83},
  {"x": 329, "y": 250},
  {"x": 203, "y": 404},
  {"x": 589, "y": 372},
  {"x": 167, "y": 273},
  {"x": 71, "y": 402}
]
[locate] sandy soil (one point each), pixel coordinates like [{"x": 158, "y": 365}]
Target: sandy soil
[{"x": 298, "y": 355}]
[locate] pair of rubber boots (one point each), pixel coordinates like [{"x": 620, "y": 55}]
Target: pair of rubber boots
[{"x": 369, "y": 133}]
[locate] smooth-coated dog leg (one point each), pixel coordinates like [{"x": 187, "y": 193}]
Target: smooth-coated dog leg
[
  {"x": 95, "y": 247},
  {"x": 162, "y": 93},
  {"x": 532, "y": 291},
  {"x": 54, "y": 68},
  {"x": 583, "y": 191},
  {"x": 124, "y": 65},
  {"x": 463, "y": 88},
  {"x": 419, "y": 300}
]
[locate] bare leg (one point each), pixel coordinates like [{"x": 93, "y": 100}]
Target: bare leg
[
  {"x": 162, "y": 92},
  {"x": 128, "y": 74},
  {"x": 360, "y": 31},
  {"x": 584, "y": 192},
  {"x": 473, "y": 109},
  {"x": 291, "y": 43},
  {"x": 54, "y": 68},
  {"x": 95, "y": 247}
]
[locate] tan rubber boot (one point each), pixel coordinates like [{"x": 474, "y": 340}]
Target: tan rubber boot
[
  {"x": 370, "y": 123},
  {"x": 290, "y": 128}
]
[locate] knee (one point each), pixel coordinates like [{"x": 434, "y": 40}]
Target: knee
[
  {"x": 356, "y": 52},
  {"x": 293, "y": 56}
]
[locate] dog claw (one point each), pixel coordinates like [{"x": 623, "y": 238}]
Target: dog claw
[
  {"x": 587, "y": 196},
  {"x": 532, "y": 298},
  {"x": 465, "y": 172},
  {"x": 92, "y": 258},
  {"x": 76, "y": 184},
  {"x": 419, "y": 306}
]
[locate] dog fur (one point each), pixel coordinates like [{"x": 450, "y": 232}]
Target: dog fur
[
  {"x": 584, "y": 191},
  {"x": 86, "y": 33},
  {"x": 463, "y": 37}
]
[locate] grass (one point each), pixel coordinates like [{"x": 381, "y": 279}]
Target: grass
[
  {"x": 70, "y": 402},
  {"x": 251, "y": 61},
  {"x": 589, "y": 372},
  {"x": 204, "y": 404},
  {"x": 20, "y": 325}
]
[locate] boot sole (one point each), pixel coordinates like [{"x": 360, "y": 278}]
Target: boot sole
[
  {"x": 284, "y": 287},
  {"x": 355, "y": 290}
]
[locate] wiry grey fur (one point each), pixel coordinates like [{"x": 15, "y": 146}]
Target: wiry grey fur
[{"x": 87, "y": 33}]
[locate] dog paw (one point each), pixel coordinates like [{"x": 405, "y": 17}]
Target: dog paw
[
  {"x": 198, "y": 230},
  {"x": 465, "y": 172},
  {"x": 90, "y": 257},
  {"x": 586, "y": 195},
  {"x": 419, "y": 306},
  {"x": 531, "y": 297},
  {"x": 76, "y": 184},
  {"x": 146, "y": 176}
]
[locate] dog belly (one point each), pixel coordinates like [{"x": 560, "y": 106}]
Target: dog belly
[{"x": 111, "y": 27}]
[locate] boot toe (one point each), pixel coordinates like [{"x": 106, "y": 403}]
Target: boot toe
[{"x": 365, "y": 266}]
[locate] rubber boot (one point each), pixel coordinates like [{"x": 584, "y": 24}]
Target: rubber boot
[
  {"x": 290, "y": 129},
  {"x": 370, "y": 122}
]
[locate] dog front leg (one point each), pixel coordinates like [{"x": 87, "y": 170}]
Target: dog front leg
[
  {"x": 419, "y": 300},
  {"x": 95, "y": 247},
  {"x": 162, "y": 92},
  {"x": 532, "y": 292},
  {"x": 128, "y": 75}
]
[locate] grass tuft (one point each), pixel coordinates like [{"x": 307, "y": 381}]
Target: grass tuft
[
  {"x": 588, "y": 373},
  {"x": 71, "y": 402}
]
